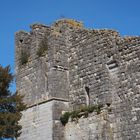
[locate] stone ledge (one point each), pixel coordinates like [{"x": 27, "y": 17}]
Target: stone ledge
[{"x": 51, "y": 99}]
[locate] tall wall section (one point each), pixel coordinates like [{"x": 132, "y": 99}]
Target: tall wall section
[
  {"x": 104, "y": 68},
  {"x": 80, "y": 67},
  {"x": 42, "y": 78}
]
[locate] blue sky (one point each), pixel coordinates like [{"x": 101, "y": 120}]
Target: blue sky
[{"x": 121, "y": 15}]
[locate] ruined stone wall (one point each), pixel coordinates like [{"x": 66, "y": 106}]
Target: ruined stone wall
[
  {"x": 81, "y": 67},
  {"x": 105, "y": 69},
  {"x": 42, "y": 77},
  {"x": 43, "y": 80},
  {"x": 91, "y": 52},
  {"x": 95, "y": 127},
  {"x": 31, "y": 80}
]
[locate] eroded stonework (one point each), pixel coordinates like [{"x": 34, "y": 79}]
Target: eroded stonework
[{"x": 79, "y": 67}]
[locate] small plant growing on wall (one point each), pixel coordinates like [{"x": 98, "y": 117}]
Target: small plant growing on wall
[
  {"x": 76, "y": 114},
  {"x": 24, "y": 58},
  {"x": 42, "y": 48},
  {"x": 65, "y": 118}
]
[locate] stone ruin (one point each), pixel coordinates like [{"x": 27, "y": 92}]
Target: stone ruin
[{"x": 65, "y": 66}]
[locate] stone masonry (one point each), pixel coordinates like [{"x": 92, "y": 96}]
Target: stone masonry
[{"x": 77, "y": 67}]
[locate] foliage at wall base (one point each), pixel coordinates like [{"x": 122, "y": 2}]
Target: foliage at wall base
[{"x": 76, "y": 114}]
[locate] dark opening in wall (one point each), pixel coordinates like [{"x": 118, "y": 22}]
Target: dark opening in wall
[
  {"x": 87, "y": 95},
  {"x": 87, "y": 90},
  {"x": 21, "y": 40},
  {"x": 112, "y": 64},
  {"x": 108, "y": 104}
]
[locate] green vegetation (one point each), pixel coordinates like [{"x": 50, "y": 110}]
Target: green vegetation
[
  {"x": 41, "y": 51},
  {"x": 43, "y": 47},
  {"x": 24, "y": 58},
  {"x": 76, "y": 114},
  {"x": 11, "y": 106},
  {"x": 65, "y": 117}
]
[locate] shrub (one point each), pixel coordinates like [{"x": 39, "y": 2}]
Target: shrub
[
  {"x": 65, "y": 118},
  {"x": 98, "y": 108},
  {"x": 74, "y": 114},
  {"x": 41, "y": 51},
  {"x": 90, "y": 109},
  {"x": 42, "y": 48},
  {"x": 24, "y": 58},
  {"x": 84, "y": 111}
]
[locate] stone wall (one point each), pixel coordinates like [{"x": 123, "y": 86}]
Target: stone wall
[
  {"x": 95, "y": 127},
  {"x": 82, "y": 67},
  {"x": 41, "y": 122},
  {"x": 37, "y": 122},
  {"x": 105, "y": 68},
  {"x": 97, "y": 60},
  {"x": 91, "y": 52},
  {"x": 42, "y": 77}
]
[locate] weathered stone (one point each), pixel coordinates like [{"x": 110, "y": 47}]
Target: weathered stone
[{"x": 78, "y": 59}]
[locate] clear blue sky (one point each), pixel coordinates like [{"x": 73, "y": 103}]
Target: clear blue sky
[{"x": 121, "y": 15}]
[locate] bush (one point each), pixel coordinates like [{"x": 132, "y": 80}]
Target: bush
[
  {"x": 84, "y": 111},
  {"x": 41, "y": 51},
  {"x": 43, "y": 47},
  {"x": 65, "y": 118},
  {"x": 74, "y": 114},
  {"x": 90, "y": 109},
  {"x": 99, "y": 108},
  {"x": 24, "y": 58}
]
